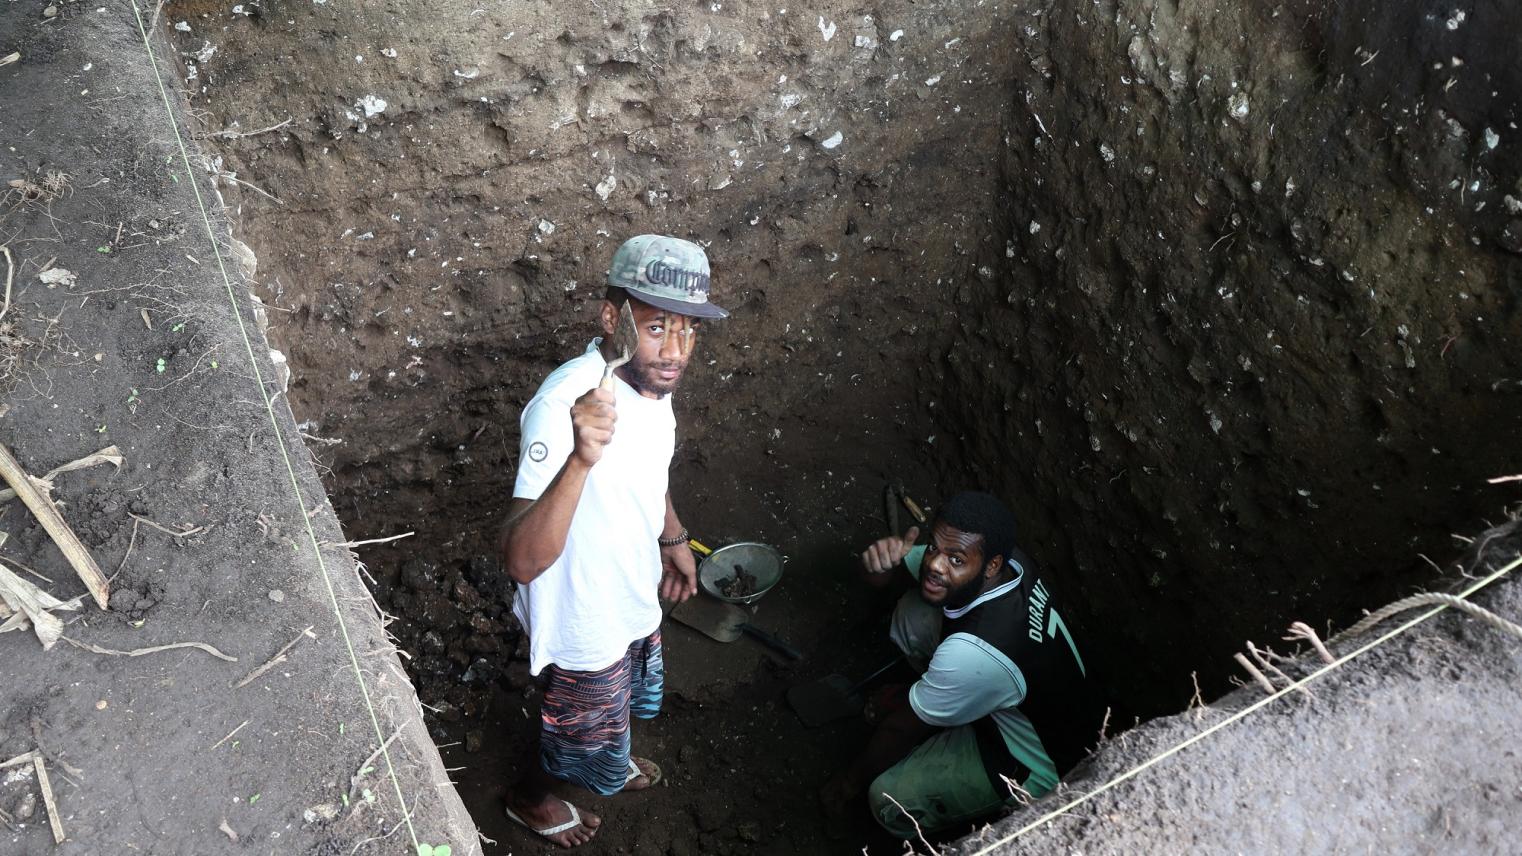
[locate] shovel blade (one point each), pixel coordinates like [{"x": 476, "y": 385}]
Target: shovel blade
[{"x": 715, "y": 619}]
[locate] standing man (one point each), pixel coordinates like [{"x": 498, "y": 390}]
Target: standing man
[
  {"x": 1005, "y": 704},
  {"x": 593, "y": 541}
]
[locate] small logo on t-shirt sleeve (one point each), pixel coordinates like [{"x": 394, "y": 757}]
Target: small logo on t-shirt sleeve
[{"x": 537, "y": 452}]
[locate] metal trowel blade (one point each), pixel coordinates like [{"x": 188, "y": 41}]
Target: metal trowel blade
[{"x": 625, "y": 337}]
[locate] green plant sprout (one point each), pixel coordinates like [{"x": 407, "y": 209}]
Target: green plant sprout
[
  {"x": 434, "y": 850},
  {"x": 160, "y": 366}
]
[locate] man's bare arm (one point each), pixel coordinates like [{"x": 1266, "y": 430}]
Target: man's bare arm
[
  {"x": 679, "y": 572},
  {"x": 535, "y": 533}
]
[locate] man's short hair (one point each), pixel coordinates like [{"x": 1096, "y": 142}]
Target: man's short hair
[
  {"x": 978, "y": 513},
  {"x": 616, "y": 296}
]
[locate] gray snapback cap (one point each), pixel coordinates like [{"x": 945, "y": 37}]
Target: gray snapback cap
[{"x": 667, "y": 273}]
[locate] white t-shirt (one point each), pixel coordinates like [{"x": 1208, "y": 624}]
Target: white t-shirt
[{"x": 603, "y": 592}]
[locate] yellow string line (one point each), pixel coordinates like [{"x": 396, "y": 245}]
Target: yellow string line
[
  {"x": 280, "y": 439},
  {"x": 1239, "y": 715}
]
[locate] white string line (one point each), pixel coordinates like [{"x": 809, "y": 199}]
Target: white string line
[
  {"x": 1239, "y": 715},
  {"x": 275, "y": 425}
]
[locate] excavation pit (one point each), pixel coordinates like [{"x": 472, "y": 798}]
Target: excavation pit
[{"x": 1204, "y": 308}]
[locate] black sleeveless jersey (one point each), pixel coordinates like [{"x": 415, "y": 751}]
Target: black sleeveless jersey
[{"x": 1061, "y": 702}]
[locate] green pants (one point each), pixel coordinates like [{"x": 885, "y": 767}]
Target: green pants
[{"x": 942, "y": 782}]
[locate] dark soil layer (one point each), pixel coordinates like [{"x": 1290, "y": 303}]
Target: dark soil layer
[{"x": 202, "y": 530}]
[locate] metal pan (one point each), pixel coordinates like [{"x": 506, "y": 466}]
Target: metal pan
[{"x": 719, "y": 566}]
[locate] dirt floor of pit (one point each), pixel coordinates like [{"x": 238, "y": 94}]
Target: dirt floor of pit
[
  {"x": 201, "y": 529},
  {"x": 742, "y": 772}
]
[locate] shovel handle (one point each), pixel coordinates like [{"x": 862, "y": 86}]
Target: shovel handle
[{"x": 772, "y": 642}]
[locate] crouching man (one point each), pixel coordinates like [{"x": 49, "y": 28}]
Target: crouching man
[{"x": 1004, "y": 705}]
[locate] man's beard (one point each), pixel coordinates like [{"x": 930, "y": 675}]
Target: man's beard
[
  {"x": 645, "y": 377},
  {"x": 958, "y": 598}
]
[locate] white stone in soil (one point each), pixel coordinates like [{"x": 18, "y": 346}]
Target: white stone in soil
[{"x": 606, "y": 187}]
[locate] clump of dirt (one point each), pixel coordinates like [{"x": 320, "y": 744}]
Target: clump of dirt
[{"x": 742, "y": 584}]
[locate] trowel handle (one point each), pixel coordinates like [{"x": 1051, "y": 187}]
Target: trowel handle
[
  {"x": 607, "y": 378},
  {"x": 699, "y": 547},
  {"x": 914, "y": 508},
  {"x": 862, "y": 684},
  {"x": 772, "y": 642}
]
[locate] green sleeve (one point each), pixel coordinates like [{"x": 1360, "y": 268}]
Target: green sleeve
[{"x": 913, "y": 559}]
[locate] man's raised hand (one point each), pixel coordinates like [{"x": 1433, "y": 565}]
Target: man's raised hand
[
  {"x": 592, "y": 418},
  {"x": 885, "y": 555}
]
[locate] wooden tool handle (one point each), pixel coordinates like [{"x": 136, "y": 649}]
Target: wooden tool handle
[{"x": 914, "y": 508}]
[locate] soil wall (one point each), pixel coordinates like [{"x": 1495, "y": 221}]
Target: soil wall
[
  {"x": 1222, "y": 299},
  {"x": 1254, "y": 342}
]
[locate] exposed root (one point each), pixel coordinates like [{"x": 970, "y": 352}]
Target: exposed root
[
  {"x": 1302, "y": 632},
  {"x": 1261, "y": 679},
  {"x": 929, "y": 848}
]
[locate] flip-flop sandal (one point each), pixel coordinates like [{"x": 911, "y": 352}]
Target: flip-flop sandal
[
  {"x": 546, "y": 832},
  {"x": 635, "y": 772}
]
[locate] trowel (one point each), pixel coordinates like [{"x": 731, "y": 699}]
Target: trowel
[
  {"x": 725, "y": 622},
  {"x": 624, "y": 341}
]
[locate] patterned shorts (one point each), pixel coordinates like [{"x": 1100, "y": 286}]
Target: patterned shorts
[{"x": 585, "y": 735}]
